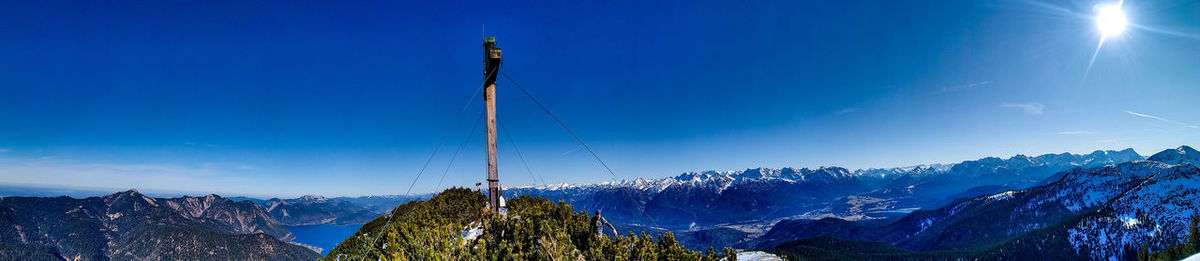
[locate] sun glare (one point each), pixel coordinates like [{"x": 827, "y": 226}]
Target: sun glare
[{"x": 1110, "y": 20}]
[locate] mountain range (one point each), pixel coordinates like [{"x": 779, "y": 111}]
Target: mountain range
[
  {"x": 1103, "y": 212},
  {"x": 711, "y": 198},
  {"x": 1100, "y": 205},
  {"x": 315, "y": 209},
  {"x": 132, "y": 226}
]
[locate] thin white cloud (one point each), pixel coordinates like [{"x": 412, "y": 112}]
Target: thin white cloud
[
  {"x": 844, "y": 111},
  {"x": 1031, "y": 108},
  {"x": 1143, "y": 115},
  {"x": 1079, "y": 132},
  {"x": 3, "y": 150},
  {"x": 210, "y": 177},
  {"x": 955, "y": 88}
]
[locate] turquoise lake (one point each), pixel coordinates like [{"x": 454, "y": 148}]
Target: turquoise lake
[{"x": 323, "y": 236}]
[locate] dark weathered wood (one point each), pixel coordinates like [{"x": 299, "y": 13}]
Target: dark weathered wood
[{"x": 492, "y": 61}]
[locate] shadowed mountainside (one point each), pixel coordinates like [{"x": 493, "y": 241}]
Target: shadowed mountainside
[{"x": 132, "y": 226}]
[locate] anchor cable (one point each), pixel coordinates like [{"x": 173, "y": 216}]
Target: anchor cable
[
  {"x": 522, "y": 157},
  {"x": 580, "y": 140},
  {"x": 460, "y": 148},
  {"x": 457, "y": 119}
]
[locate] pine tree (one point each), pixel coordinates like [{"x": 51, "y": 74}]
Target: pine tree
[
  {"x": 710, "y": 255},
  {"x": 1194, "y": 234},
  {"x": 730, "y": 255},
  {"x": 1144, "y": 252}
]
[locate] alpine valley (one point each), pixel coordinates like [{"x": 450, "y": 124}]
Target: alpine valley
[{"x": 132, "y": 226}]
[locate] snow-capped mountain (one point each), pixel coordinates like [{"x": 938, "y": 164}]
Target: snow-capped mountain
[
  {"x": 1094, "y": 213},
  {"x": 312, "y": 198},
  {"x": 927, "y": 188},
  {"x": 1177, "y": 156},
  {"x": 721, "y": 179},
  {"x": 1155, "y": 213},
  {"x": 763, "y": 194}
]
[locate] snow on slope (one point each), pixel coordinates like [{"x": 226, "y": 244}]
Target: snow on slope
[
  {"x": 1156, "y": 212},
  {"x": 986, "y": 166},
  {"x": 757, "y": 256},
  {"x": 718, "y": 179},
  {"x": 1195, "y": 257},
  {"x": 1177, "y": 156}
]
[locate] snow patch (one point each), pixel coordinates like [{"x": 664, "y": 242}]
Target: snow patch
[
  {"x": 1001, "y": 195},
  {"x": 1130, "y": 222},
  {"x": 1195, "y": 257},
  {"x": 758, "y": 256}
]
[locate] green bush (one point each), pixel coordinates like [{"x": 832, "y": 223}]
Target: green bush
[{"x": 535, "y": 229}]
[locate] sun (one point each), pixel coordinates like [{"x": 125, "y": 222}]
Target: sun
[{"x": 1110, "y": 20}]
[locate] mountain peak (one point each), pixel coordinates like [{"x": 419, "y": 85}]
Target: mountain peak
[
  {"x": 308, "y": 198},
  {"x": 130, "y": 192},
  {"x": 1178, "y": 155},
  {"x": 130, "y": 196}
]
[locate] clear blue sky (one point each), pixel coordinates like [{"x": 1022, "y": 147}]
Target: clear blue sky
[{"x": 316, "y": 97}]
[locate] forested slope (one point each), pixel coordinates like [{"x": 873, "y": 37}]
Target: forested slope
[{"x": 535, "y": 229}]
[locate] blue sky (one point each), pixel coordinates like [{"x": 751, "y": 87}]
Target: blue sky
[{"x": 288, "y": 98}]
